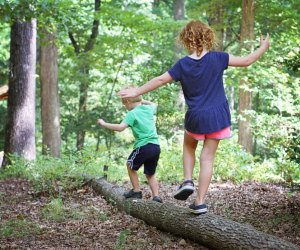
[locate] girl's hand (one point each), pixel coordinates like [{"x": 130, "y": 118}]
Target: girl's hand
[
  {"x": 127, "y": 93},
  {"x": 100, "y": 122},
  {"x": 264, "y": 42}
]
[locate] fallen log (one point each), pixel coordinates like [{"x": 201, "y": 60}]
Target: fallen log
[{"x": 209, "y": 230}]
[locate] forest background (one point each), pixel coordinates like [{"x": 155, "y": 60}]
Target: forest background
[{"x": 135, "y": 40}]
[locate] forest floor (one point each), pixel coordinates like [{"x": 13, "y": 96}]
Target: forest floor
[{"x": 81, "y": 219}]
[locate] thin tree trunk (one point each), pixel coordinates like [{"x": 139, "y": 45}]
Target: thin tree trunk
[
  {"x": 231, "y": 93},
  {"x": 245, "y": 95},
  {"x": 83, "y": 90},
  {"x": 216, "y": 21},
  {"x": 20, "y": 127},
  {"x": 178, "y": 9},
  {"x": 178, "y": 14},
  {"x": 49, "y": 95},
  {"x": 209, "y": 230}
]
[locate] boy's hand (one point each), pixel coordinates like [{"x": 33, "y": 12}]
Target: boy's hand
[
  {"x": 100, "y": 122},
  {"x": 126, "y": 93},
  {"x": 264, "y": 42}
]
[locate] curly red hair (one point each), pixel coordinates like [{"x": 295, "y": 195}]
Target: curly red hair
[{"x": 196, "y": 36}]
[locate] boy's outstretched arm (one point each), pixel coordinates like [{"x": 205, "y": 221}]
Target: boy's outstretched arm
[
  {"x": 154, "y": 83},
  {"x": 253, "y": 57},
  {"x": 115, "y": 127}
]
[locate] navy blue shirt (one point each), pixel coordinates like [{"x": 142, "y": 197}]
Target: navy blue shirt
[{"x": 203, "y": 89}]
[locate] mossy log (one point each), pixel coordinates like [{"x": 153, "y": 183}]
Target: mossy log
[{"x": 209, "y": 230}]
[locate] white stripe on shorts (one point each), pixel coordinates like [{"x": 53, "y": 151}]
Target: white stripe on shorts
[{"x": 130, "y": 161}]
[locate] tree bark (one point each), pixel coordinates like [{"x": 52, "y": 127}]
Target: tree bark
[
  {"x": 178, "y": 14},
  {"x": 82, "y": 108},
  {"x": 216, "y": 21},
  {"x": 178, "y": 9},
  {"x": 20, "y": 127},
  {"x": 245, "y": 137},
  {"x": 209, "y": 230},
  {"x": 49, "y": 95}
]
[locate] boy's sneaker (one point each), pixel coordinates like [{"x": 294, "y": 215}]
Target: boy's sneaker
[
  {"x": 200, "y": 209},
  {"x": 157, "y": 199},
  {"x": 184, "y": 190},
  {"x": 132, "y": 194}
]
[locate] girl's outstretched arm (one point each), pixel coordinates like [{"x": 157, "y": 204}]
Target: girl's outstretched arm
[
  {"x": 145, "y": 102},
  {"x": 154, "y": 83},
  {"x": 253, "y": 57}
]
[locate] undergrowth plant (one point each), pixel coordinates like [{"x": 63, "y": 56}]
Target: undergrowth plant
[
  {"x": 18, "y": 228},
  {"x": 54, "y": 210},
  {"x": 120, "y": 244}
]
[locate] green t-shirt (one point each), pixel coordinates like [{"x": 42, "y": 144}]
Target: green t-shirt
[{"x": 142, "y": 123}]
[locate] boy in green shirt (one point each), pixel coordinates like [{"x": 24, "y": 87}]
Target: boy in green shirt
[{"x": 146, "y": 149}]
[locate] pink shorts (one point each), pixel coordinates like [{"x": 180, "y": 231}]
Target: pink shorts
[{"x": 221, "y": 134}]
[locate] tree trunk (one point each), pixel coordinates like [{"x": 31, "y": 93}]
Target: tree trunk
[
  {"x": 83, "y": 92},
  {"x": 178, "y": 9},
  {"x": 216, "y": 21},
  {"x": 209, "y": 230},
  {"x": 20, "y": 127},
  {"x": 49, "y": 95},
  {"x": 178, "y": 14},
  {"x": 245, "y": 96}
]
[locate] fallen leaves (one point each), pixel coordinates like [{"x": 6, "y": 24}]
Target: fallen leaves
[{"x": 89, "y": 222}]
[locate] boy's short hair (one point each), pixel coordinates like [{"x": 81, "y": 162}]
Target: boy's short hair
[{"x": 132, "y": 99}]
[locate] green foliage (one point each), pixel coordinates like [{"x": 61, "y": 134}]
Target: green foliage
[
  {"x": 54, "y": 175},
  {"x": 102, "y": 216},
  {"x": 4, "y": 56},
  {"x": 48, "y": 12},
  {"x": 170, "y": 167},
  {"x": 293, "y": 62},
  {"x": 54, "y": 210},
  {"x": 4, "y": 53},
  {"x": 18, "y": 228},
  {"x": 232, "y": 162},
  {"x": 3, "y": 117},
  {"x": 120, "y": 244}
]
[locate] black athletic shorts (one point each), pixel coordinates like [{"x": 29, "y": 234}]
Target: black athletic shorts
[{"x": 147, "y": 155}]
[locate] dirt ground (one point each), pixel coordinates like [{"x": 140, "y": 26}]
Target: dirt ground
[{"x": 82, "y": 219}]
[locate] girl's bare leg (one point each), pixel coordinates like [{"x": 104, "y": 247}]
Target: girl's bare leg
[
  {"x": 187, "y": 187},
  {"x": 189, "y": 148},
  {"x": 207, "y": 158}
]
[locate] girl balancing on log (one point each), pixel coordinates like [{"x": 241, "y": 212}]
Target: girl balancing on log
[{"x": 208, "y": 115}]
